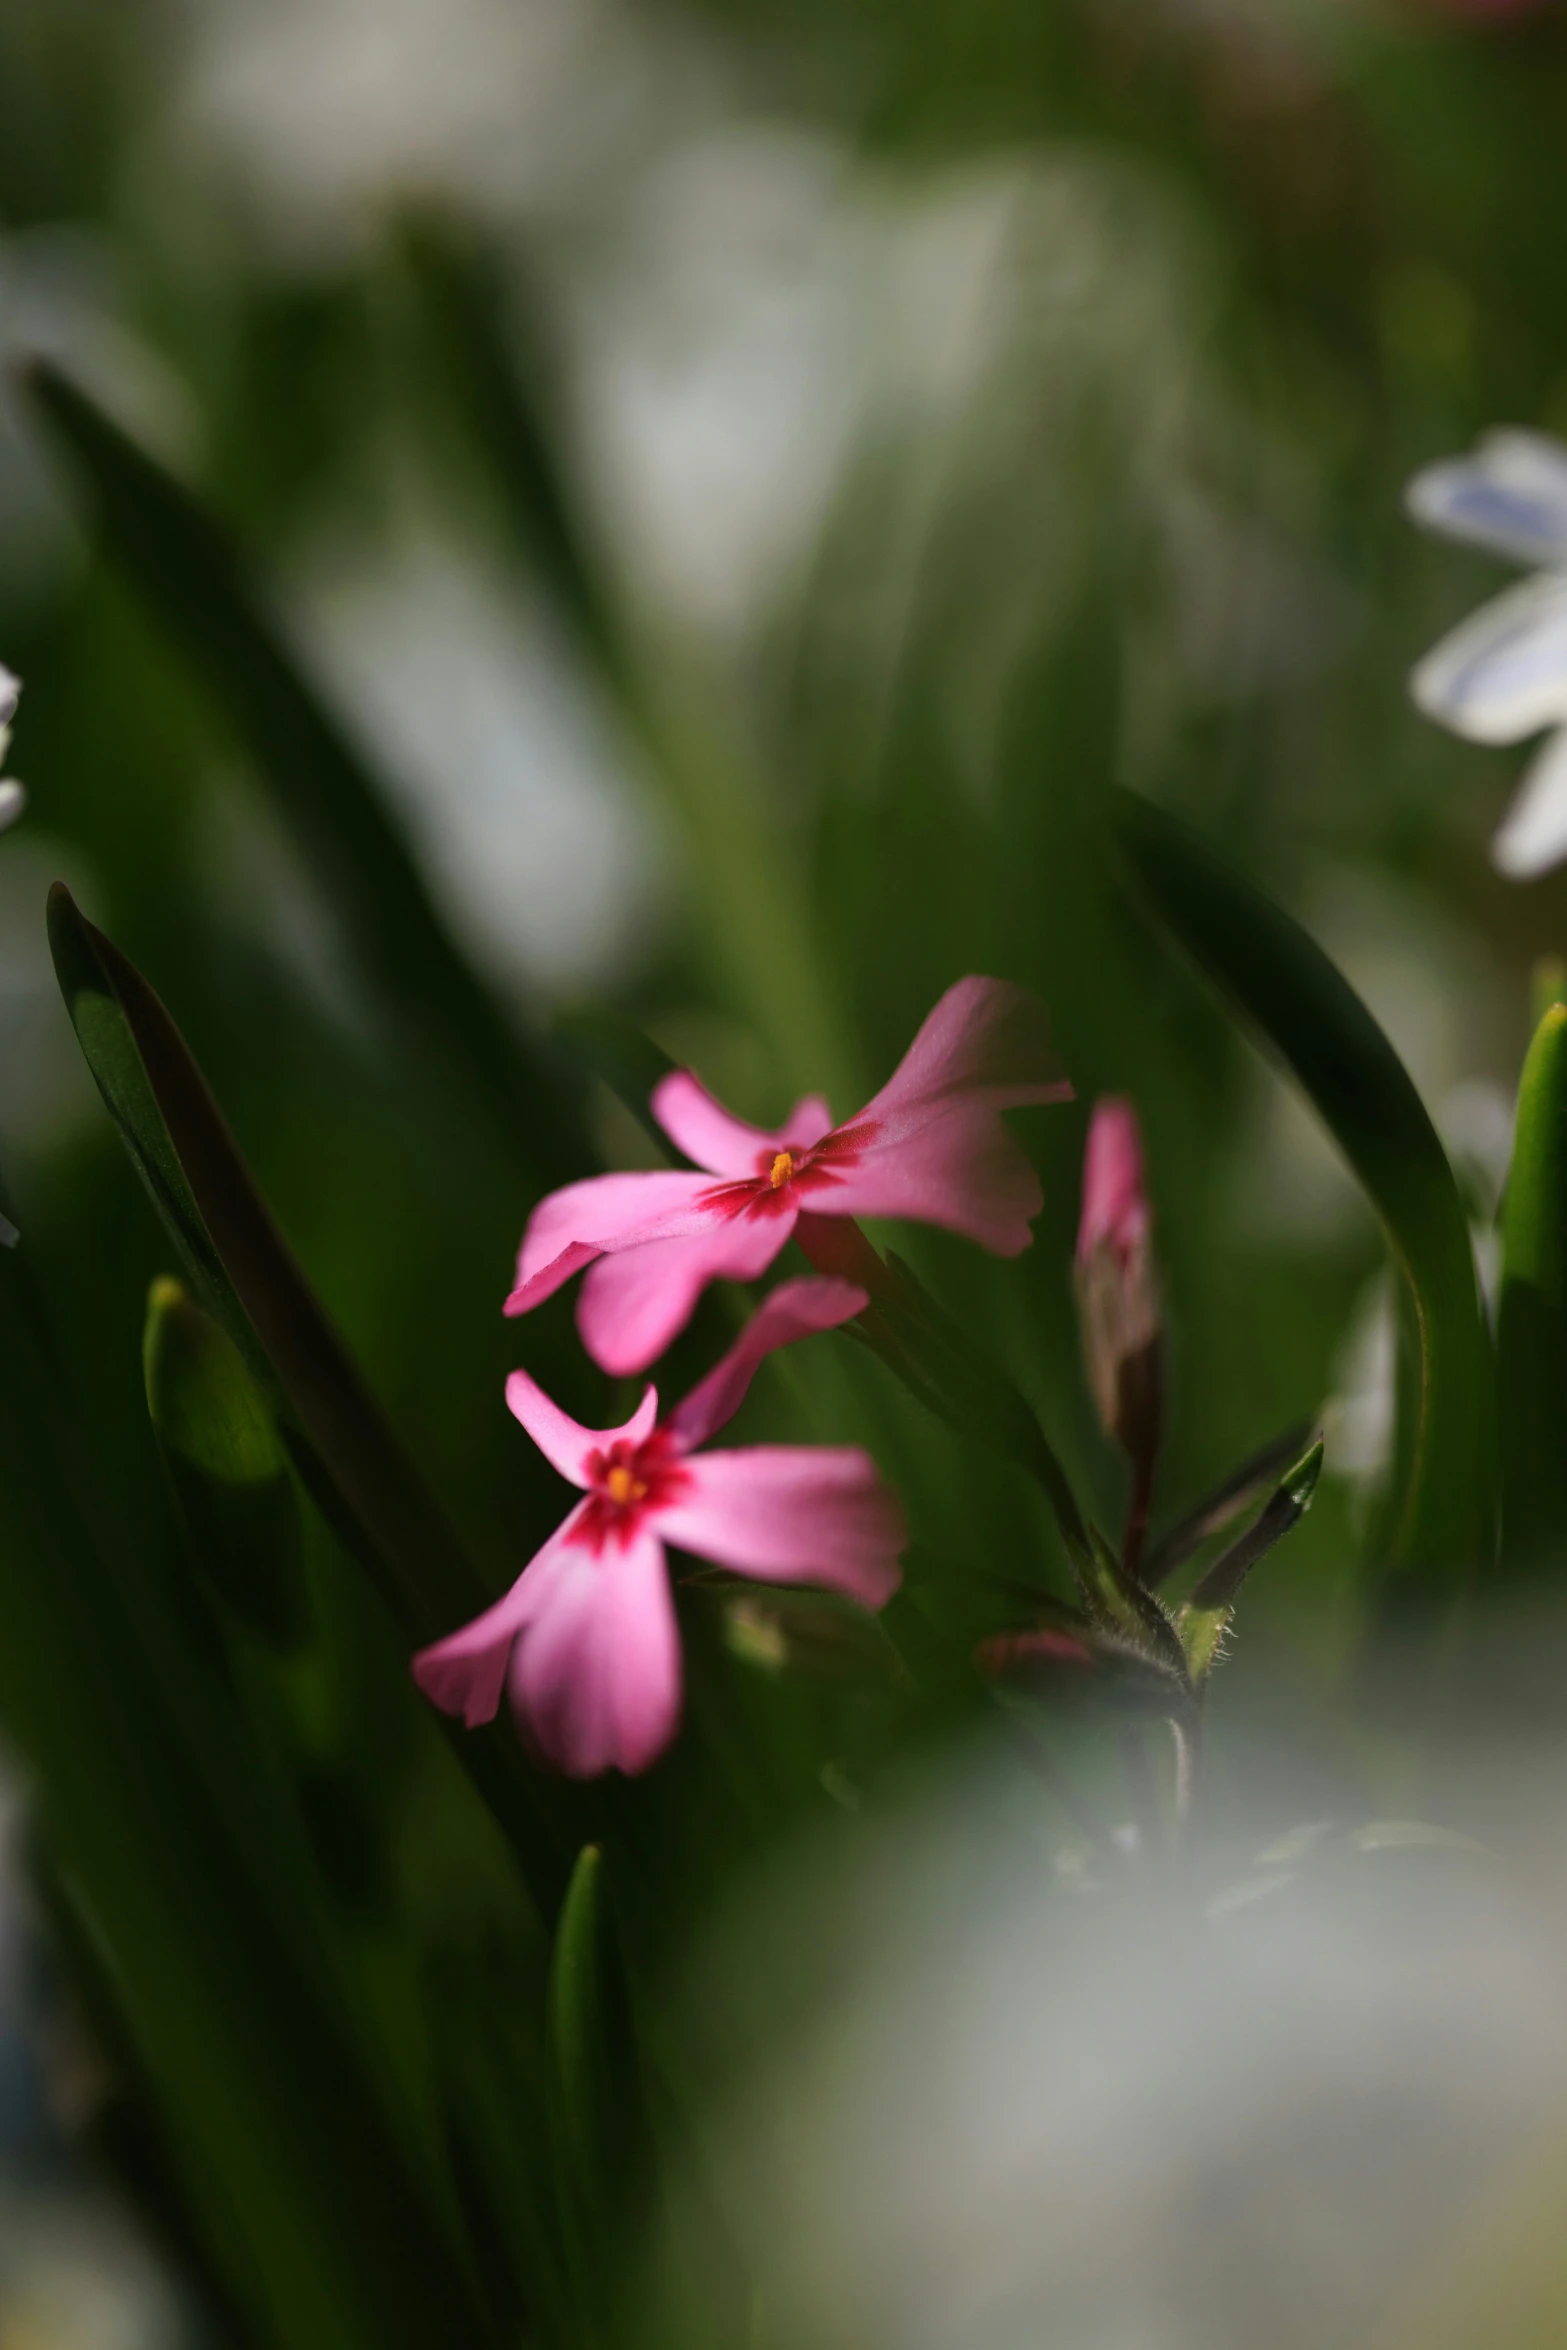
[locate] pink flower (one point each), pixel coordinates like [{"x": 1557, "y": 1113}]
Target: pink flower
[
  {"x": 931, "y": 1147},
  {"x": 584, "y": 1643}
]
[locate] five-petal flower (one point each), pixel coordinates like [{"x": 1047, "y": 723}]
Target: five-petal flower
[
  {"x": 585, "y": 1642},
  {"x": 1503, "y": 674},
  {"x": 931, "y": 1147}
]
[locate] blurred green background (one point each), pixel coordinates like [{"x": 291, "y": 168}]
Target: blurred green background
[{"x": 937, "y": 414}]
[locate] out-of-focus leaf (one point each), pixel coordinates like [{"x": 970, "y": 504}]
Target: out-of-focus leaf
[
  {"x": 1532, "y": 1319},
  {"x": 247, "y": 1277},
  {"x": 1547, "y": 985},
  {"x": 618, "y": 1053},
  {"x": 808, "y": 1632},
  {"x": 226, "y": 1465},
  {"x": 286, "y": 2152},
  {"x": 1284, "y": 985},
  {"x": 579, "y": 2058},
  {"x": 1216, "y": 1510},
  {"x": 182, "y": 563},
  {"x": 1206, "y": 1616},
  {"x": 940, "y": 1363},
  {"x": 595, "y": 2112},
  {"x": 757, "y": 907},
  {"x": 466, "y": 300}
]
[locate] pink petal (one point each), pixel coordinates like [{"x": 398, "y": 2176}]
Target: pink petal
[
  {"x": 571, "y": 1227},
  {"x": 964, "y": 1172},
  {"x": 596, "y": 1677},
  {"x": 564, "y": 1444},
  {"x": 634, "y": 1302},
  {"x": 986, "y": 1037},
  {"x": 807, "y": 1122},
  {"x": 705, "y": 1131},
  {"x": 466, "y": 1672},
  {"x": 938, "y": 1152},
  {"x": 1115, "y": 1197},
  {"x": 797, "y": 1309},
  {"x": 792, "y": 1514}
]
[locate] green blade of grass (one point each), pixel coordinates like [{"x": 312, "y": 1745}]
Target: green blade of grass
[
  {"x": 227, "y": 1469},
  {"x": 247, "y": 1277},
  {"x": 585, "y": 2123},
  {"x": 746, "y": 863},
  {"x": 1285, "y": 987},
  {"x": 578, "y": 2062},
  {"x": 161, "y": 1830},
  {"x": 1206, "y": 1616},
  {"x": 180, "y": 562},
  {"x": 622, "y": 1058},
  {"x": 1532, "y": 1320}
]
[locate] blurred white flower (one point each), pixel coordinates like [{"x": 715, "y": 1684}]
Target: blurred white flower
[
  {"x": 1503, "y": 674},
  {"x": 965, "y": 2096},
  {"x": 512, "y": 777}
]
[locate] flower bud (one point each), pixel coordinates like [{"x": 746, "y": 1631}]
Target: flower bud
[{"x": 1117, "y": 1292}]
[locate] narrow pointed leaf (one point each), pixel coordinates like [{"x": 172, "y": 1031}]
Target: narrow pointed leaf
[
  {"x": 282, "y": 2145},
  {"x": 227, "y": 1468},
  {"x": 594, "y": 2105},
  {"x": 747, "y": 864},
  {"x": 1125, "y": 1607},
  {"x": 1214, "y": 1512},
  {"x": 942, "y": 1365},
  {"x": 246, "y": 1276},
  {"x": 461, "y": 287},
  {"x": 1286, "y": 988},
  {"x": 1286, "y": 1506},
  {"x": 181, "y": 562},
  {"x": 1532, "y": 1320},
  {"x": 619, "y": 1055},
  {"x": 1206, "y": 1616}
]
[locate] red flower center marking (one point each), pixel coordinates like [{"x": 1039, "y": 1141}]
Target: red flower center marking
[
  {"x": 626, "y": 1483},
  {"x": 785, "y": 1179}
]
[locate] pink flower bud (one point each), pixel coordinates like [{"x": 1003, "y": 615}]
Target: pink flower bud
[
  {"x": 1115, "y": 1203},
  {"x": 1117, "y": 1292}
]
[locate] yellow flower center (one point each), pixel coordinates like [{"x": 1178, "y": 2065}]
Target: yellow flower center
[
  {"x": 783, "y": 1168},
  {"x": 623, "y": 1485}
]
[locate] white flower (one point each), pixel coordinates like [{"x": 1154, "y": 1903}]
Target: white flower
[
  {"x": 1503, "y": 674},
  {"x": 12, "y": 798}
]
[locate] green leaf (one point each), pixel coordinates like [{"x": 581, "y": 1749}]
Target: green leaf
[
  {"x": 1125, "y": 1608},
  {"x": 619, "y": 1055},
  {"x": 227, "y": 1468},
  {"x": 941, "y": 1365},
  {"x": 182, "y": 564},
  {"x": 1214, "y": 1512},
  {"x": 1285, "y": 986},
  {"x": 462, "y": 290},
  {"x": 1532, "y": 1319},
  {"x": 171, "y": 1854},
  {"x": 744, "y": 856},
  {"x": 246, "y": 1276},
  {"x": 578, "y": 2055},
  {"x": 595, "y": 2112},
  {"x": 1206, "y": 1617},
  {"x": 811, "y": 1633}
]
